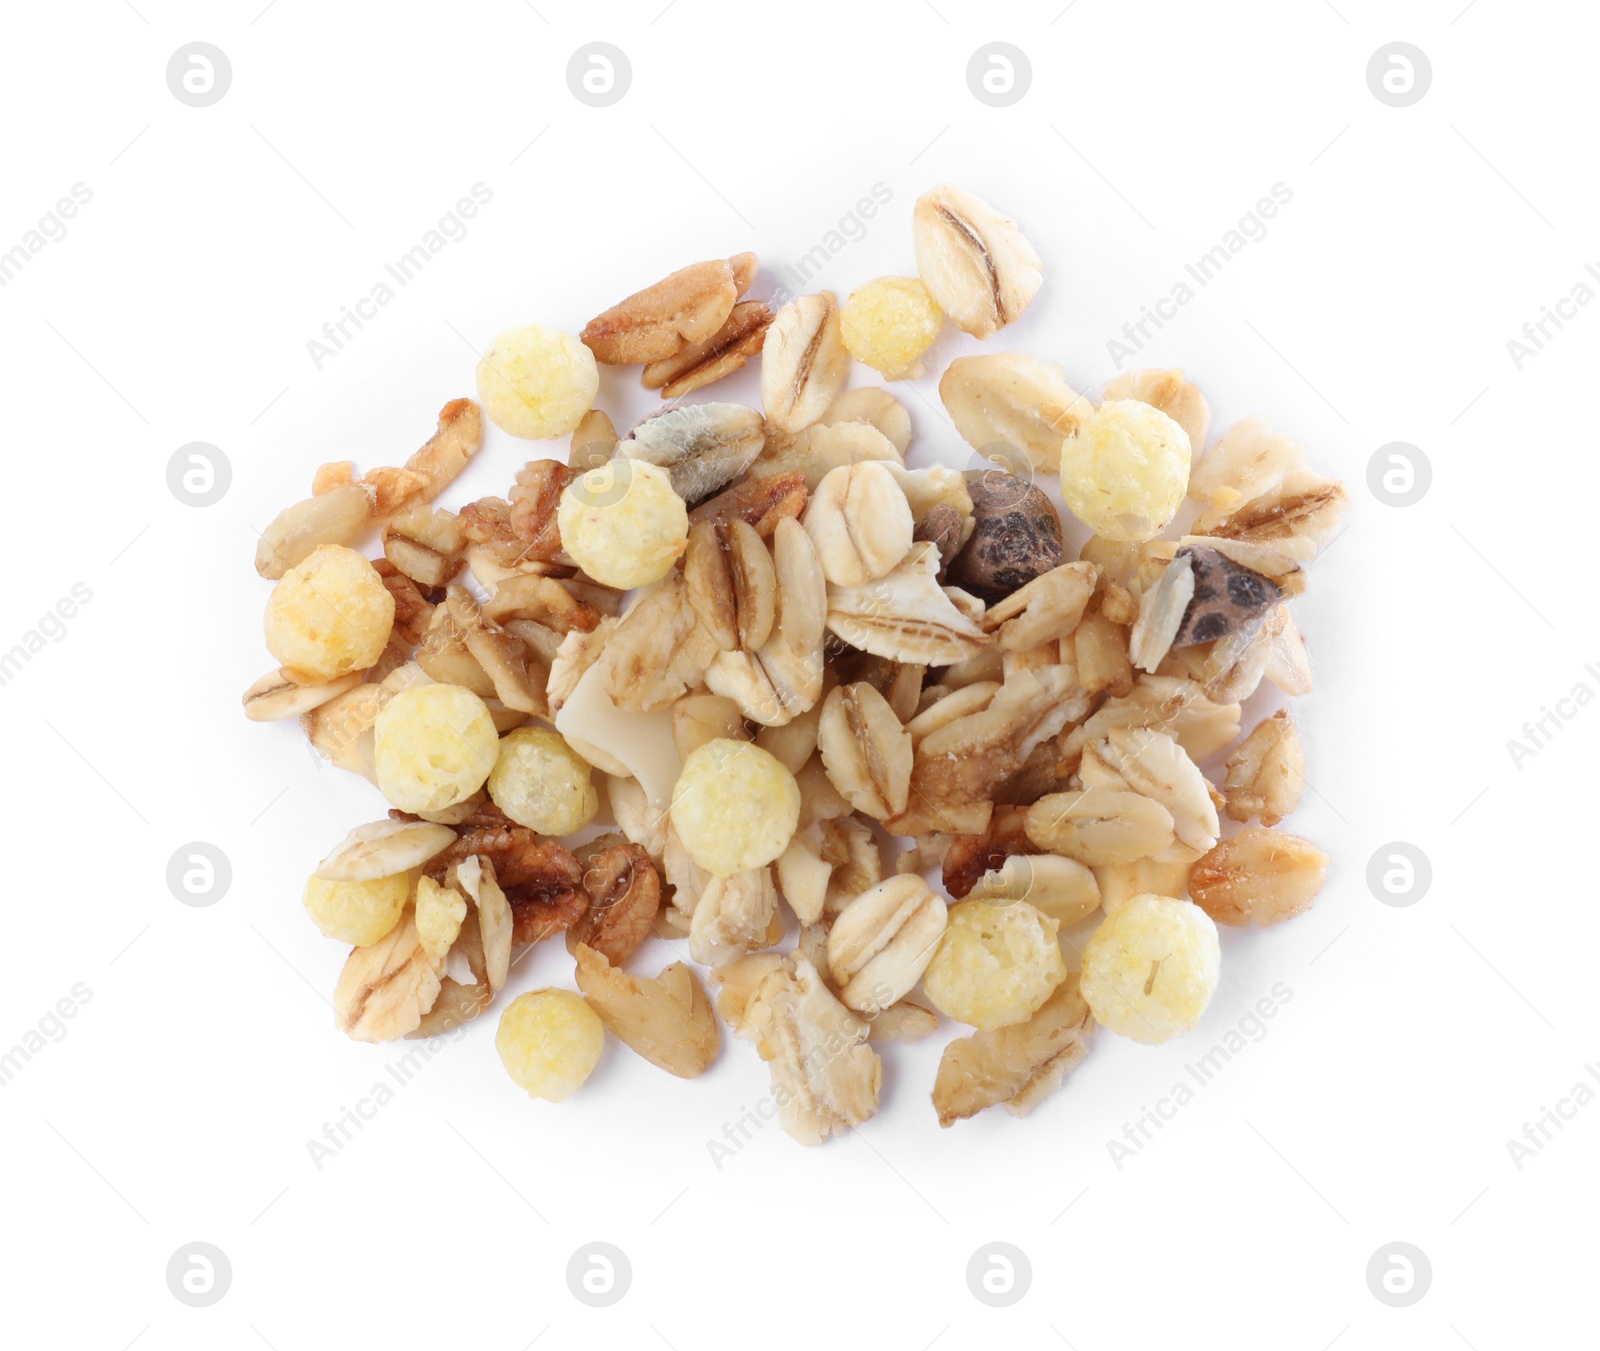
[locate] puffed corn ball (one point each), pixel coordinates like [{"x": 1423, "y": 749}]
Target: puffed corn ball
[
  {"x": 358, "y": 913},
  {"x": 330, "y": 615},
  {"x": 440, "y": 913},
  {"x": 434, "y": 746},
  {"x": 1151, "y": 968},
  {"x": 995, "y": 965},
  {"x": 623, "y": 524},
  {"x": 537, "y": 382},
  {"x": 735, "y": 806},
  {"x": 1126, "y": 470},
  {"x": 541, "y": 782},
  {"x": 889, "y": 323},
  {"x": 549, "y": 1041}
]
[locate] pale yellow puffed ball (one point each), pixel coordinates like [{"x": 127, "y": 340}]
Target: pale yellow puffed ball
[
  {"x": 358, "y": 913},
  {"x": 1151, "y": 968},
  {"x": 888, "y": 323},
  {"x": 735, "y": 806},
  {"x": 623, "y": 523},
  {"x": 995, "y": 965},
  {"x": 330, "y": 615},
  {"x": 541, "y": 782},
  {"x": 1125, "y": 471},
  {"x": 434, "y": 745},
  {"x": 537, "y": 382},
  {"x": 549, "y": 1041}
]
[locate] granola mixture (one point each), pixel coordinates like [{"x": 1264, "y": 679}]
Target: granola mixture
[{"x": 743, "y": 679}]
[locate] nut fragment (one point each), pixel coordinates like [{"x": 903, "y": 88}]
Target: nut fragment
[
  {"x": 425, "y": 544},
  {"x": 594, "y": 441},
  {"x": 759, "y": 502},
  {"x": 702, "y": 363},
  {"x": 385, "y": 988},
  {"x": 1016, "y": 1066},
  {"x": 496, "y": 923},
  {"x": 976, "y": 264},
  {"x": 1258, "y": 877},
  {"x": 384, "y": 848},
  {"x": 1002, "y": 400},
  {"x": 659, "y": 321},
  {"x": 865, "y": 749},
  {"x": 667, "y": 1020},
  {"x": 803, "y": 361},
  {"x": 1267, "y": 772},
  {"x": 883, "y": 940},
  {"x": 624, "y": 892},
  {"x": 860, "y": 522}
]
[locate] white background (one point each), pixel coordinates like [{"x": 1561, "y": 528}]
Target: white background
[{"x": 1418, "y": 1040}]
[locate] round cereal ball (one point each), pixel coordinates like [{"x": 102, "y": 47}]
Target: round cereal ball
[
  {"x": 358, "y": 913},
  {"x": 735, "y": 806},
  {"x": 541, "y": 782},
  {"x": 997, "y": 962},
  {"x": 549, "y": 1041},
  {"x": 1125, "y": 471},
  {"x": 434, "y": 745},
  {"x": 889, "y": 323},
  {"x": 537, "y": 382},
  {"x": 622, "y": 523},
  {"x": 329, "y": 616},
  {"x": 1151, "y": 968}
]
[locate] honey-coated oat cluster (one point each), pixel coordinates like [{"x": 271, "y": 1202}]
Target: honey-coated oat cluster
[{"x": 690, "y": 681}]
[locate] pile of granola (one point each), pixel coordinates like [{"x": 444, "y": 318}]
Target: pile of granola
[{"x": 754, "y": 646}]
